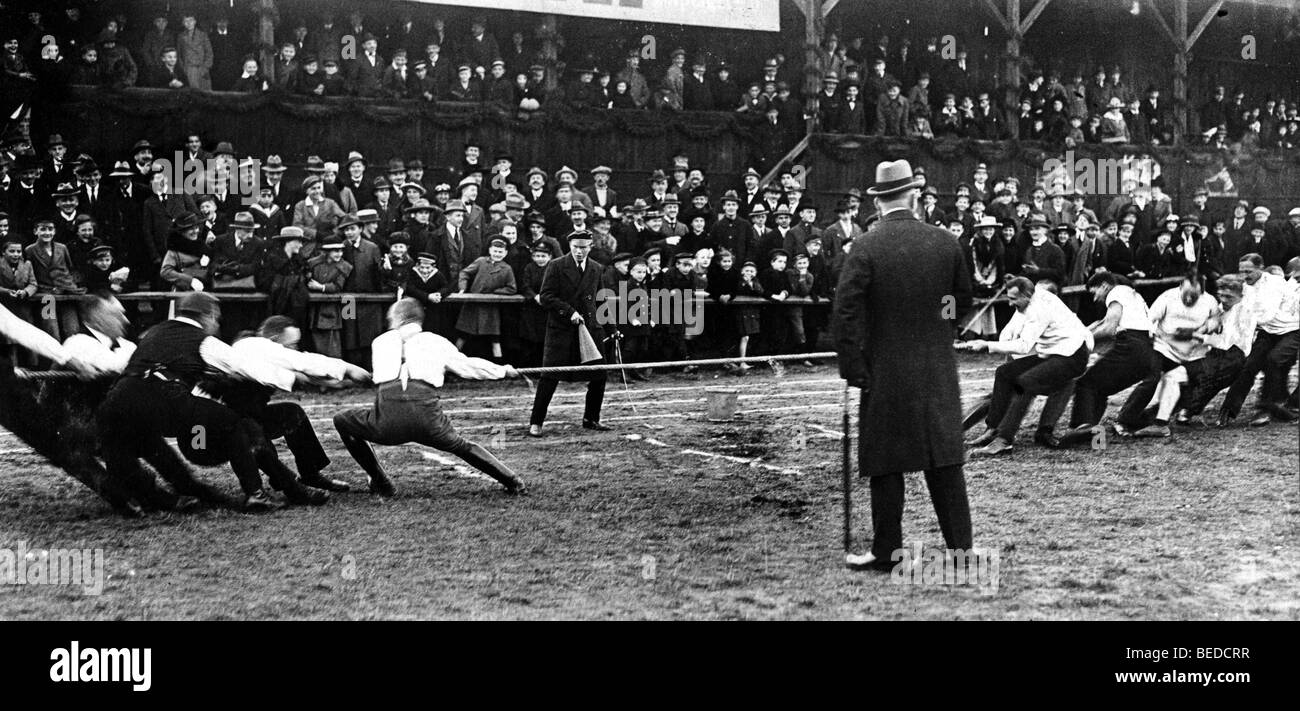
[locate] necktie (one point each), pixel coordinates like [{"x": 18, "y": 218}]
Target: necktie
[{"x": 455, "y": 243}]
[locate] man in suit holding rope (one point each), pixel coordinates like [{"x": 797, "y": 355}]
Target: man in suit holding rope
[{"x": 902, "y": 288}]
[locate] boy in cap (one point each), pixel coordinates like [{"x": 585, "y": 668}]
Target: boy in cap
[
  {"x": 17, "y": 280},
  {"x": 428, "y": 285},
  {"x": 329, "y": 274},
  {"x": 681, "y": 283},
  {"x": 532, "y": 319},
  {"x": 775, "y": 322},
  {"x": 103, "y": 274}
]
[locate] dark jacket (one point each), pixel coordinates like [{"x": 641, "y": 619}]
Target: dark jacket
[
  {"x": 566, "y": 290},
  {"x": 892, "y": 337}
]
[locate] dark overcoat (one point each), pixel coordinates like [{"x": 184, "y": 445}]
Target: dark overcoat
[
  {"x": 900, "y": 291},
  {"x": 565, "y": 290}
]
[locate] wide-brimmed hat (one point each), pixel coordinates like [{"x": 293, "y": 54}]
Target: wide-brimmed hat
[
  {"x": 290, "y": 232},
  {"x": 452, "y": 206},
  {"x": 353, "y": 157},
  {"x": 121, "y": 169},
  {"x": 988, "y": 221},
  {"x": 224, "y": 149},
  {"x": 413, "y": 186},
  {"x": 243, "y": 221},
  {"x": 422, "y": 204},
  {"x": 186, "y": 221},
  {"x": 142, "y": 145},
  {"x": 893, "y": 177},
  {"x": 315, "y": 164},
  {"x": 515, "y": 201},
  {"x": 367, "y": 216},
  {"x": 64, "y": 190},
  {"x": 347, "y": 221},
  {"x": 273, "y": 164}
]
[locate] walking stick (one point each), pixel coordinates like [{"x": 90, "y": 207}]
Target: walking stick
[
  {"x": 988, "y": 305},
  {"x": 848, "y": 477}
]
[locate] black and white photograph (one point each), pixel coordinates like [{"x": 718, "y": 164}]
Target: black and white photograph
[{"x": 652, "y": 310}]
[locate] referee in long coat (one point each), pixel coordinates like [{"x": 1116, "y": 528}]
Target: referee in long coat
[
  {"x": 568, "y": 295},
  {"x": 902, "y": 288}
]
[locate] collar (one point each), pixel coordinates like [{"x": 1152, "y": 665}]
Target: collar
[
  {"x": 408, "y": 330},
  {"x": 188, "y": 320}
]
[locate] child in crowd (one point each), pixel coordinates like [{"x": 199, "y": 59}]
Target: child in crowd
[
  {"x": 801, "y": 285},
  {"x": 532, "y": 319},
  {"x": 680, "y": 284},
  {"x": 774, "y": 323},
  {"x": 396, "y": 270},
  {"x": 103, "y": 274},
  {"x": 428, "y": 285},
  {"x": 636, "y": 332},
  {"x": 485, "y": 275},
  {"x": 328, "y": 274},
  {"x": 747, "y": 317}
]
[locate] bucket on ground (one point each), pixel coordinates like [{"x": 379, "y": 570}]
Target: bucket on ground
[{"x": 723, "y": 403}]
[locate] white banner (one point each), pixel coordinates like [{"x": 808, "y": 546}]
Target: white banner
[{"x": 731, "y": 14}]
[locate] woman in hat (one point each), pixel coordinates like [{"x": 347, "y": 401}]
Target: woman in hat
[
  {"x": 185, "y": 266},
  {"x": 485, "y": 275},
  {"x": 283, "y": 276},
  {"x": 328, "y": 276}
]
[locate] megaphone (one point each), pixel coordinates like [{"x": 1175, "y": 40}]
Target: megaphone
[{"x": 588, "y": 351}]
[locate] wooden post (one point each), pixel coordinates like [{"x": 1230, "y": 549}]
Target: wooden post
[
  {"x": 267, "y": 16},
  {"x": 550, "y": 50},
  {"x": 1181, "y": 49},
  {"x": 1012, "y": 74},
  {"x": 814, "y": 32}
]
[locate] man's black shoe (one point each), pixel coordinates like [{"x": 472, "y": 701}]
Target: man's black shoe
[
  {"x": 1049, "y": 440},
  {"x": 382, "y": 485},
  {"x": 304, "y": 496},
  {"x": 1280, "y": 413},
  {"x": 323, "y": 482},
  {"x": 593, "y": 425}
]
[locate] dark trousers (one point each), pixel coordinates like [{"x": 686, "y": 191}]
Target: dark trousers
[
  {"x": 1275, "y": 369},
  {"x": 947, "y": 487},
  {"x": 1017, "y": 382},
  {"x": 1210, "y": 375},
  {"x": 546, "y": 390},
  {"x": 1133, "y": 414},
  {"x": 405, "y": 416},
  {"x": 1129, "y": 361},
  {"x": 287, "y": 420},
  {"x": 138, "y": 414}
]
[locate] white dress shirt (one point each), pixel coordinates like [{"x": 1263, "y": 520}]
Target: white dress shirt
[
  {"x": 1238, "y": 330},
  {"x": 1049, "y": 328},
  {"x": 1266, "y": 299},
  {"x": 224, "y": 358},
  {"x": 312, "y": 365},
  {"x": 410, "y": 353},
  {"x": 100, "y": 351}
]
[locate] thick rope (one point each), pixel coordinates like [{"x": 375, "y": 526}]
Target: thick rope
[{"x": 24, "y": 374}]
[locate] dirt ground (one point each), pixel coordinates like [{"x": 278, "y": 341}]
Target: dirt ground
[{"x": 674, "y": 517}]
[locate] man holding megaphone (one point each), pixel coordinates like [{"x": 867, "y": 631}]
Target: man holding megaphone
[{"x": 568, "y": 296}]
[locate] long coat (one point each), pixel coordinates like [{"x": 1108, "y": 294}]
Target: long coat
[
  {"x": 484, "y": 276},
  {"x": 893, "y": 332},
  {"x": 566, "y": 290}
]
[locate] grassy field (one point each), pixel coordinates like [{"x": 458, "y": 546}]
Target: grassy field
[{"x": 674, "y": 517}]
